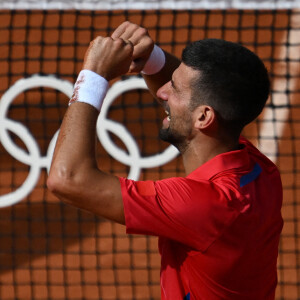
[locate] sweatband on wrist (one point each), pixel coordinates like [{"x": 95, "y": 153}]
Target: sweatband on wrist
[
  {"x": 90, "y": 88},
  {"x": 155, "y": 62}
]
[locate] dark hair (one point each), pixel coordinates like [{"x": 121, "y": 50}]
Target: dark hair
[{"x": 232, "y": 80}]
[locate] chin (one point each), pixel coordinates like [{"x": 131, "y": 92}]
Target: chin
[
  {"x": 173, "y": 138},
  {"x": 164, "y": 135}
]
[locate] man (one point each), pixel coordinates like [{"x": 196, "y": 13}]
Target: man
[{"x": 219, "y": 226}]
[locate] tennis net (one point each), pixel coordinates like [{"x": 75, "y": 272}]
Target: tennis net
[{"x": 49, "y": 250}]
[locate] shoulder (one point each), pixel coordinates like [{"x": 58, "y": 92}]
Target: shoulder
[{"x": 256, "y": 155}]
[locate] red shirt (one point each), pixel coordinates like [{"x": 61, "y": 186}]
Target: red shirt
[{"x": 218, "y": 227}]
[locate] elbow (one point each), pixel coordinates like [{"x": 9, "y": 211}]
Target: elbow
[
  {"x": 59, "y": 182},
  {"x": 88, "y": 189},
  {"x": 53, "y": 184}
]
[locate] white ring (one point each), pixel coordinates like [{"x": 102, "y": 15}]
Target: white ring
[{"x": 33, "y": 157}]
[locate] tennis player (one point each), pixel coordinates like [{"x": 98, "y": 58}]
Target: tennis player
[{"x": 218, "y": 226}]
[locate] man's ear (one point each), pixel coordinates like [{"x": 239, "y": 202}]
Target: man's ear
[{"x": 205, "y": 117}]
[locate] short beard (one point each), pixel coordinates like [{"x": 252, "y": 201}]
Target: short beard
[{"x": 174, "y": 138}]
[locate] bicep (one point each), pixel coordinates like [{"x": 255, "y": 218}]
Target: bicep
[
  {"x": 103, "y": 196},
  {"x": 93, "y": 191}
]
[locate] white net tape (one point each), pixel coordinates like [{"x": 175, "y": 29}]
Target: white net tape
[{"x": 149, "y": 4}]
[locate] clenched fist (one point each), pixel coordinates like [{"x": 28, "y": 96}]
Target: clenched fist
[
  {"x": 141, "y": 41},
  {"x": 109, "y": 57}
]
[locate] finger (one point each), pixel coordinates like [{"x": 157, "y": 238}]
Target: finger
[
  {"x": 143, "y": 48},
  {"x": 124, "y": 31},
  {"x": 136, "y": 34},
  {"x": 129, "y": 42},
  {"x": 119, "y": 30},
  {"x": 121, "y": 42},
  {"x": 126, "y": 44},
  {"x": 130, "y": 31}
]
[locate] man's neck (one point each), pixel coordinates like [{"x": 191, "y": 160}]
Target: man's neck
[{"x": 198, "y": 153}]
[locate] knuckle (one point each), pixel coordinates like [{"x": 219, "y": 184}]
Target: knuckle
[
  {"x": 149, "y": 42},
  {"x": 104, "y": 41},
  {"x": 98, "y": 38},
  {"x": 97, "y": 41},
  {"x": 132, "y": 26},
  {"x": 126, "y": 23},
  {"x": 119, "y": 41},
  {"x": 143, "y": 31},
  {"x": 130, "y": 46},
  {"x": 135, "y": 26}
]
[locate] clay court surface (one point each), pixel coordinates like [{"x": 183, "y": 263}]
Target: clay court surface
[{"x": 49, "y": 250}]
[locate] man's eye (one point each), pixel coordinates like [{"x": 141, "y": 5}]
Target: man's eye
[{"x": 173, "y": 86}]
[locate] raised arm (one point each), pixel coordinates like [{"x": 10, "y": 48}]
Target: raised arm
[
  {"x": 74, "y": 176},
  {"x": 143, "y": 46}
]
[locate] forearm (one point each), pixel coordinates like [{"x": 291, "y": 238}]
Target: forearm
[
  {"x": 155, "y": 81},
  {"x": 74, "y": 176},
  {"x": 75, "y": 146}
]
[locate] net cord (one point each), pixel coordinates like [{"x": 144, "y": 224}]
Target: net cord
[{"x": 147, "y": 5}]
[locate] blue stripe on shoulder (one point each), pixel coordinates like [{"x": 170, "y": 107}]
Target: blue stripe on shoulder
[
  {"x": 187, "y": 297},
  {"x": 245, "y": 179}
]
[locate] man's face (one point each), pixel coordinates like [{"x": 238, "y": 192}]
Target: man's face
[{"x": 175, "y": 97}]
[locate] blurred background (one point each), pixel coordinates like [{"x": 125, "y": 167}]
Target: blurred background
[{"x": 49, "y": 250}]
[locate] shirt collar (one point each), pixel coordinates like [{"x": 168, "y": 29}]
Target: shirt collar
[{"x": 237, "y": 159}]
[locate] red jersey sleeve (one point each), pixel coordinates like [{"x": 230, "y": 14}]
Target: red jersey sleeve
[{"x": 191, "y": 212}]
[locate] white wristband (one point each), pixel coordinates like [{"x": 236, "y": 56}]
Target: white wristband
[
  {"x": 155, "y": 62},
  {"x": 90, "y": 88}
]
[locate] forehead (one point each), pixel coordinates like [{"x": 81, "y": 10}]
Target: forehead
[{"x": 184, "y": 75}]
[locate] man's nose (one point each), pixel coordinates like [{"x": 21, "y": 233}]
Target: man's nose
[{"x": 162, "y": 92}]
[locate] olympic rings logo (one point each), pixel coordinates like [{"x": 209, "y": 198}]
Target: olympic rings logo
[{"x": 33, "y": 158}]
